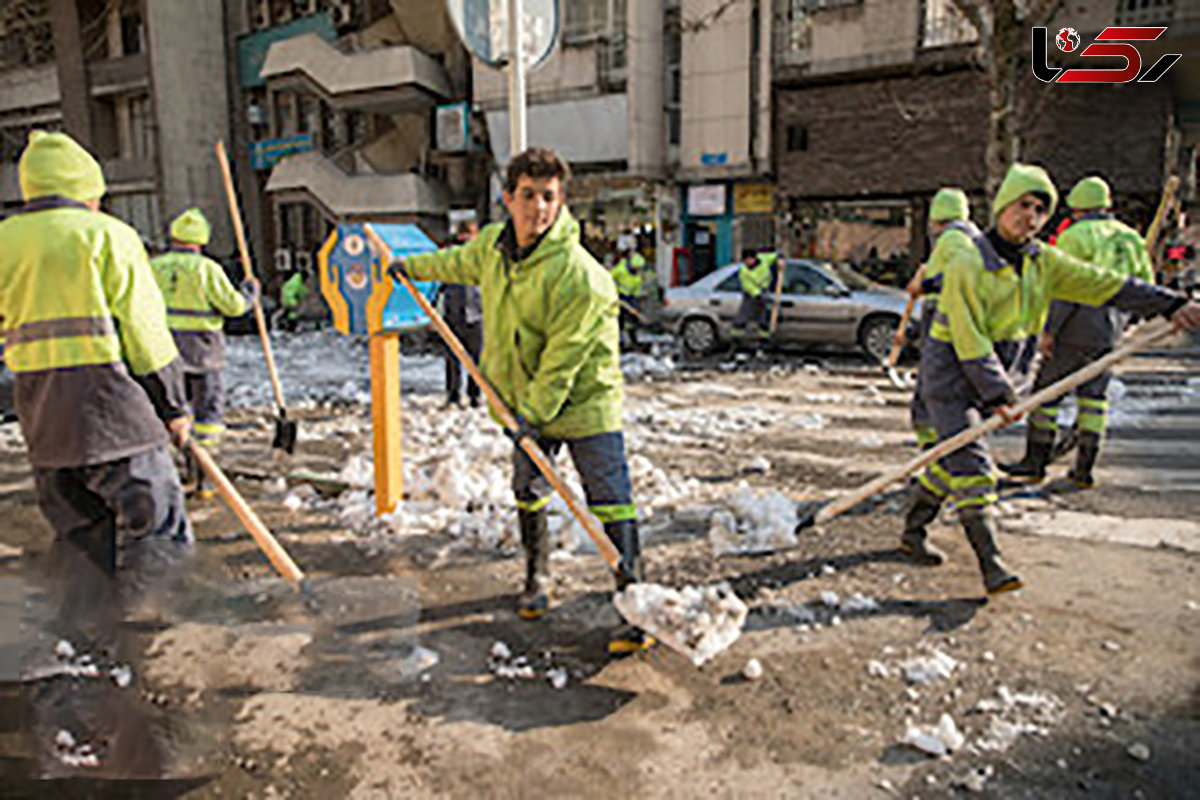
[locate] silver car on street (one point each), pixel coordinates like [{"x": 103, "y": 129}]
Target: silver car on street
[{"x": 821, "y": 304}]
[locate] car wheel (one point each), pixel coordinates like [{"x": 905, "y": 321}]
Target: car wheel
[
  {"x": 699, "y": 336},
  {"x": 875, "y": 337}
]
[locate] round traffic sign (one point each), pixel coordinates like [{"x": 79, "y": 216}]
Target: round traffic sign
[{"x": 483, "y": 27}]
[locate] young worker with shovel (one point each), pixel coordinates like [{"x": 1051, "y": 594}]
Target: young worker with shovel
[
  {"x": 996, "y": 291},
  {"x": 551, "y": 350}
]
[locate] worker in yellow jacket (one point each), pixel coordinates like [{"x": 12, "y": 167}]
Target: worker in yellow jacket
[
  {"x": 98, "y": 391},
  {"x": 994, "y": 300},
  {"x": 199, "y": 296},
  {"x": 551, "y": 351}
]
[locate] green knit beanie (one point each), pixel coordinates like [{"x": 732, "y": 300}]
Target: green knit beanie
[
  {"x": 54, "y": 163},
  {"x": 1021, "y": 180},
  {"x": 1090, "y": 194},
  {"x": 191, "y": 227},
  {"x": 948, "y": 205}
]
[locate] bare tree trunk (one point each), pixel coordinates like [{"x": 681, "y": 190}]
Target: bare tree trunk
[{"x": 1003, "y": 138}]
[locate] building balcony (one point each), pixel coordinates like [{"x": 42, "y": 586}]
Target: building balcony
[
  {"x": 28, "y": 88},
  {"x": 342, "y": 196},
  {"x": 118, "y": 75},
  {"x": 385, "y": 80}
]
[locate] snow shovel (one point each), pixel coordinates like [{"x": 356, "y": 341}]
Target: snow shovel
[
  {"x": 824, "y": 512},
  {"x": 339, "y": 601},
  {"x": 781, "y": 268},
  {"x": 889, "y": 366},
  {"x": 608, "y": 551},
  {"x": 285, "y": 429}
]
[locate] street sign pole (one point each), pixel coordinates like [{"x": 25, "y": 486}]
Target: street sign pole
[{"x": 516, "y": 79}]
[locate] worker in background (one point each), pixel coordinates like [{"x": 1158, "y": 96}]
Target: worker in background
[
  {"x": 629, "y": 276},
  {"x": 1076, "y": 335},
  {"x": 464, "y": 313},
  {"x": 199, "y": 296},
  {"x": 948, "y": 209},
  {"x": 99, "y": 391},
  {"x": 552, "y": 352},
  {"x": 757, "y": 276},
  {"x": 996, "y": 292},
  {"x": 292, "y": 295}
]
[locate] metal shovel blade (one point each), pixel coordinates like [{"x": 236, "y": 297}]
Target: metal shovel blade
[{"x": 285, "y": 433}]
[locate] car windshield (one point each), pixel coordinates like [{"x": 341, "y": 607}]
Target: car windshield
[{"x": 853, "y": 279}]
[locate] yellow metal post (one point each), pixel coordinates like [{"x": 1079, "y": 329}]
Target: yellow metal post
[{"x": 385, "y": 420}]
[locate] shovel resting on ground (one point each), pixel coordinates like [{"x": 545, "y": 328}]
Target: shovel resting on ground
[
  {"x": 827, "y": 511},
  {"x": 285, "y": 429},
  {"x": 590, "y": 524},
  {"x": 337, "y": 601}
]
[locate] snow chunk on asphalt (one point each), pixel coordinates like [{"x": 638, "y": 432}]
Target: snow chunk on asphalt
[
  {"x": 697, "y": 621},
  {"x": 936, "y": 740},
  {"x": 753, "y": 523},
  {"x": 922, "y": 670}
]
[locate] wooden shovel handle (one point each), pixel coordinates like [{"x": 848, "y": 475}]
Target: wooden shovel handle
[
  {"x": 781, "y": 267},
  {"x": 894, "y": 355},
  {"x": 1156, "y": 333},
  {"x": 1170, "y": 189},
  {"x": 594, "y": 530},
  {"x": 235, "y": 216},
  {"x": 263, "y": 537}
]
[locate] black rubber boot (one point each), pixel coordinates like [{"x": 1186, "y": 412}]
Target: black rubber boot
[
  {"x": 624, "y": 534},
  {"x": 1033, "y": 466},
  {"x": 1085, "y": 460},
  {"x": 534, "y": 601},
  {"x": 996, "y": 577},
  {"x": 923, "y": 509}
]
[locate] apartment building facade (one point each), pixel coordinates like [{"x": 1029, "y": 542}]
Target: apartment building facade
[
  {"x": 880, "y": 102},
  {"x": 143, "y": 85}
]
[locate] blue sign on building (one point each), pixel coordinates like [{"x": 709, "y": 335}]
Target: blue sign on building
[{"x": 269, "y": 152}]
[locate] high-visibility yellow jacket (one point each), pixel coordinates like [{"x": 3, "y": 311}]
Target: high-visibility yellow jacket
[
  {"x": 85, "y": 324},
  {"x": 551, "y": 343},
  {"x": 629, "y": 274},
  {"x": 1099, "y": 238},
  {"x": 198, "y": 296},
  {"x": 757, "y": 279},
  {"x": 990, "y": 312}
]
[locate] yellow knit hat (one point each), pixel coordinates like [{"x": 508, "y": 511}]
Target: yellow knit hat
[
  {"x": 191, "y": 227},
  {"x": 1021, "y": 180},
  {"x": 54, "y": 163},
  {"x": 1090, "y": 194},
  {"x": 948, "y": 205}
]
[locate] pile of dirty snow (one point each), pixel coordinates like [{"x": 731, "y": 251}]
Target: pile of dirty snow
[
  {"x": 753, "y": 522},
  {"x": 697, "y": 621}
]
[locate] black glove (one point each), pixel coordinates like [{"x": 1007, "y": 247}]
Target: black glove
[
  {"x": 524, "y": 429},
  {"x": 252, "y": 290},
  {"x": 397, "y": 268}
]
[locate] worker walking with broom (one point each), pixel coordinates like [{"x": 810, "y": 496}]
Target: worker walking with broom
[
  {"x": 98, "y": 388},
  {"x": 996, "y": 291},
  {"x": 199, "y": 296},
  {"x": 551, "y": 350}
]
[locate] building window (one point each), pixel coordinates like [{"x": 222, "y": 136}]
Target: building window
[
  {"x": 944, "y": 25},
  {"x": 797, "y": 138},
  {"x": 672, "y": 76},
  {"x": 589, "y": 19},
  {"x": 1145, "y": 12}
]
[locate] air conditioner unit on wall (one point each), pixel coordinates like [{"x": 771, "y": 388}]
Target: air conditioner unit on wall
[{"x": 453, "y": 128}]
